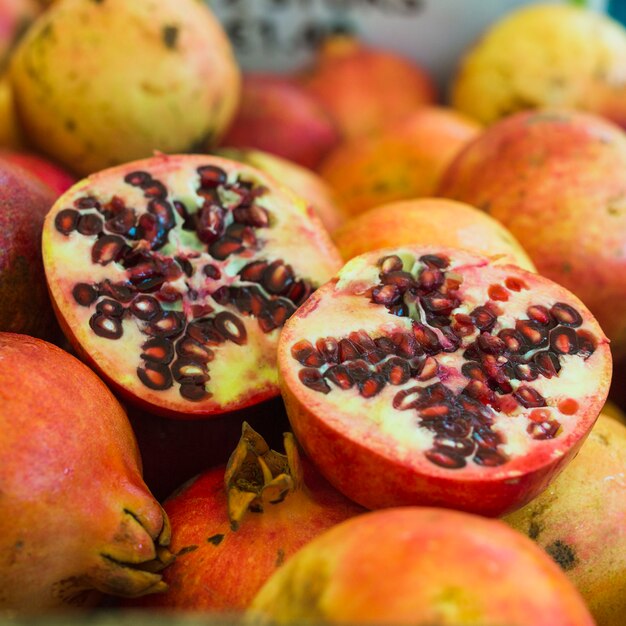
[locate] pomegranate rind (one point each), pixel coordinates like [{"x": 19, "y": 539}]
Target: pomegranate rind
[
  {"x": 75, "y": 514},
  {"x": 373, "y": 453},
  {"x": 240, "y": 375},
  {"x": 443, "y": 567}
]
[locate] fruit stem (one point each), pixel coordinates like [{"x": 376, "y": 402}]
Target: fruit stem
[{"x": 256, "y": 475}]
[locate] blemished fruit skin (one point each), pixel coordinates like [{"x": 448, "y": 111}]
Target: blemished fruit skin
[
  {"x": 580, "y": 520},
  {"x": 277, "y": 115},
  {"x": 47, "y": 172},
  {"x": 75, "y": 515},
  {"x": 548, "y": 55},
  {"x": 403, "y": 161},
  {"x": 365, "y": 88},
  {"x": 221, "y": 569},
  {"x": 102, "y": 83},
  {"x": 306, "y": 183},
  {"x": 556, "y": 180},
  {"x": 24, "y": 302},
  {"x": 429, "y": 221},
  {"x": 421, "y": 566},
  {"x": 372, "y": 446}
]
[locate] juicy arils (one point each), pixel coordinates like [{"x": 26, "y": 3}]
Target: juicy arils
[
  {"x": 173, "y": 276},
  {"x": 438, "y": 377}
]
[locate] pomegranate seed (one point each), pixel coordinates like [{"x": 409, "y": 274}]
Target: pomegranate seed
[
  {"x": 186, "y": 370},
  {"x": 231, "y": 327},
  {"x": 385, "y": 345},
  {"x": 154, "y": 189},
  {"x": 392, "y": 263},
  {"x": 483, "y": 318},
  {"x": 498, "y": 292},
  {"x": 445, "y": 458},
  {"x": 426, "y": 338},
  {"x": 587, "y": 343},
  {"x": 539, "y": 415},
  {"x": 540, "y": 314},
  {"x": 110, "y": 308},
  {"x": 348, "y": 350},
  {"x": 210, "y": 223},
  {"x": 515, "y": 284},
  {"x": 339, "y": 375},
  {"x": 489, "y": 458},
  {"x": 85, "y": 294},
  {"x": 396, "y": 370},
  {"x": 407, "y": 398},
  {"x": 211, "y": 271},
  {"x": 169, "y": 324},
  {"x": 506, "y": 404},
  {"x": 490, "y": 344},
  {"x": 89, "y": 224},
  {"x": 137, "y": 179},
  {"x": 569, "y": 406},
  {"x": 145, "y": 308},
  {"x": 106, "y": 327},
  {"x": 473, "y": 370},
  {"x": 429, "y": 368},
  {"x": 277, "y": 277},
  {"x": 194, "y": 393},
  {"x": 329, "y": 349},
  {"x": 371, "y": 386},
  {"x": 564, "y": 340},
  {"x": 87, "y": 202},
  {"x": 158, "y": 350},
  {"x": 313, "y": 379},
  {"x": 464, "y": 447},
  {"x": 122, "y": 292},
  {"x": 547, "y": 363},
  {"x": 543, "y": 430},
  {"x": 107, "y": 249},
  {"x": 387, "y": 295},
  {"x": 211, "y": 176},
  {"x": 66, "y": 220},
  {"x": 305, "y": 353},
  {"x": 525, "y": 371},
  {"x": 535, "y": 334},
  {"x": 566, "y": 314},
  {"x": 430, "y": 279},
  {"x": 513, "y": 340},
  {"x": 189, "y": 347},
  {"x": 155, "y": 376},
  {"x": 435, "y": 260},
  {"x": 529, "y": 397},
  {"x": 252, "y": 216},
  {"x": 222, "y": 248}
]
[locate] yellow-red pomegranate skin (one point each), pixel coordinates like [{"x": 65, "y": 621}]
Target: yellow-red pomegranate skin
[
  {"x": 421, "y": 566},
  {"x": 556, "y": 180},
  {"x": 75, "y": 515}
]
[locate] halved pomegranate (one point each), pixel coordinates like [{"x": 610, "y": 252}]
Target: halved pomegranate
[
  {"x": 173, "y": 276},
  {"x": 435, "y": 376}
]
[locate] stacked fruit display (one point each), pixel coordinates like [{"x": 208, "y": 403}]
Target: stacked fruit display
[{"x": 279, "y": 348}]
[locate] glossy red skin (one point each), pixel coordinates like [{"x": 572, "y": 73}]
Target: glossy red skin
[
  {"x": 24, "y": 303},
  {"x": 49, "y": 173},
  {"x": 556, "y": 181},
  {"x": 378, "y": 480},
  {"x": 278, "y": 116},
  {"x": 226, "y": 576}
]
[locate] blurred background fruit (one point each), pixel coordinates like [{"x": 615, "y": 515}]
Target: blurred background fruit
[
  {"x": 579, "y": 521},
  {"x": 429, "y": 221},
  {"x": 403, "y": 161},
  {"x": 550, "y": 55},
  {"x": 101, "y": 83},
  {"x": 49, "y": 173},
  {"x": 15, "y": 17}
]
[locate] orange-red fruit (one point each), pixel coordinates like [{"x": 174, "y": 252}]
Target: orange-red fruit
[
  {"x": 45, "y": 170},
  {"x": 405, "y": 160},
  {"x": 303, "y": 181},
  {"x": 435, "y": 376},
  {"x": 421, "y": 566},
  {"x": 24, "y": 303},
  {"x": 172, "y": 276},
  {"x": 221, "y": 568},
  {"x": 75, "y": 515},
  {"x": 556, "y": 181},
  {"x": 277, "y": 115},
  {"x": 429, "y": 221},
  {"x": 580, "y": 521},
  {"x": 364, "y": 88}
]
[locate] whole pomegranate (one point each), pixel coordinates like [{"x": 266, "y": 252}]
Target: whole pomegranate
[
  {"x": 364, "y": 88},
  {"x": 547, "y": 55},
  {"x": 580, "y": 521},
  {"x": 557, "y": 181},
  {"x": 232, "y": 528},
  {"x": 403, "y": 161},
  {"x": 421, "y": 566},
  {"x": 277, "y": 115},
  {"x": 45, "y": 170},
  {"x": 435, "y": 376},
  {"x": 75, "y": 515},
  {"x": 303, "y": 181},
  {"x": 429, "y": 221},
  {"x": 116, "y": 80},
  {"x": 24, "y": 303},
  {"x": 172, "y": 276}
]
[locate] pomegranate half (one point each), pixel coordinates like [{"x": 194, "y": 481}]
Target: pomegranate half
[
  {"x": 435, "y": 376},
  {"x": 173, "y": 276}
]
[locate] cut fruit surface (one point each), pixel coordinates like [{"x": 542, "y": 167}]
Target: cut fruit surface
[
  {"x": 436, "y": 376},
  {"x": 173, "y": 276}
]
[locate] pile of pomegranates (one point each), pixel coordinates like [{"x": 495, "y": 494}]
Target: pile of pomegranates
[{"x": 278, "y": 348}]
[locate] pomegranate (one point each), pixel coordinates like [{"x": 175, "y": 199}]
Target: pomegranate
[
  {"x": 303, "y": 181},
  {"x": 580, "y": 521},
  {"x": 364, "y": 88},
  {"x": 428, "y": 221},
  {"x": 47, "y": 172},
  {"x": 24, "y": 303},
  {"x": 116, "y": 80},
  {"x": 277, "y": 115},
  {"x": 75, "y": 516},
  {"x": 434, "y": 376},
  {"x": 555, "y": 55},
  {"x": 421, "y": 566},
  {"x": 556, "y": 181},
  {"x": 404, "y": 161},
  {"x": 232, "y": 528},
  {"x": 173, "y": 276}
]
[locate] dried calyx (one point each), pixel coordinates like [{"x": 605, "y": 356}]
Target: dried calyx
[
  {"x": 186, "y": 258},
  {"x": 468, "y": 364}
]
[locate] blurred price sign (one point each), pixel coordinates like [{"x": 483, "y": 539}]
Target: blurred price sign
[{"x": 280, "y": 35}]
